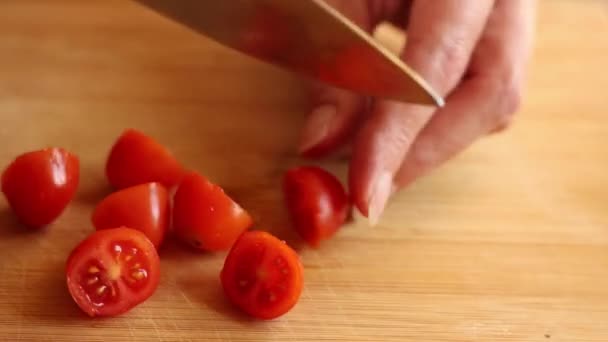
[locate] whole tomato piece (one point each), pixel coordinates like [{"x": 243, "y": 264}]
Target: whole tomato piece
[
  {"x": 39, "y": 185},
  {"x": 205, "y": 217},
  {"x": 262, "y": 275},
  {"x": 143, "y": 207},
  {"x": 136, "y": 159},
  {"x": 112, "y": 271},
  {"x": 317, "y": 202}
]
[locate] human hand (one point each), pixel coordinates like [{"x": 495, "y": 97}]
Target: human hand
[{"x": 473, "y": 52}]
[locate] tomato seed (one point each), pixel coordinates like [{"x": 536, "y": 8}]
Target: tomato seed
[
  {"x": 92, "y": 280},
  {"x": 139, "y": 274},
  {"x": 94, "y": 269},
  {"x": 100, "y": 290},
  {"x": 117, "y": 249}
]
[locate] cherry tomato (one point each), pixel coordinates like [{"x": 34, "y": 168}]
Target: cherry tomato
[
  {"x": 262, "y": 275},
  {"x": 317, "y": 202},
  {"x": 136, "y": 159},
  {"x": 112, "y": 271},
  {"x": 205, "y": 216},
  {"x": 39, "y": 185},
  {"x": 143, "y": 207}
]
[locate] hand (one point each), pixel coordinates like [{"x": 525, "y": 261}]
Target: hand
[{"x": 474, "y": 52}]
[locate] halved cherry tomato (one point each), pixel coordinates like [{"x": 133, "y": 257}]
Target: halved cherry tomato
[
  {"x": 317, "y": 202},
  {"x": 205, "y": 216},
  {"x": 136, "y": 159},
  {"x": 112, "y": 271},
  {"x": 39, "y": 185},
  {"x": 262, "y": 275},
  {"x": 143, "y": 207}
]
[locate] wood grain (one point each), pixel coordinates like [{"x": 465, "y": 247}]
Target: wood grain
[{"x": 509, "y": 242}]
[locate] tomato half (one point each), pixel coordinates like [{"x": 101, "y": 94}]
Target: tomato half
[
  {"x": 39, "y": 185},
  {"x": 317, "y": 202},
  {"x": 205, "y": 217},
  {"x": 136, "y": 159},
  {"x": 112, "y": 271},
  {"x": 262, "y": 275},
  {"x": 143, "y": 207}
]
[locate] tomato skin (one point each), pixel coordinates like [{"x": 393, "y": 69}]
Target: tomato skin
[
  {"x": 205, "y": 217},
  {"x": 136, "y": 159},
  {"x": 317, "y": 203},
  {"x": 143, "y": 207},
  {"x": 262, "y": 275},
  {"x": 39, "y": 185},
  {"x": 97, "y": 258}
]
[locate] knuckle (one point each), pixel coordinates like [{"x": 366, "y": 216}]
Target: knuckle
[
  {"x": 508, "y": 100},
  {"x": 447, "y": 57}
]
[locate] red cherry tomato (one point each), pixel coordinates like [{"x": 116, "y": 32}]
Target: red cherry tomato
[
  {"x": 205, "y": 216},
  {"x": 317, "y": 203},
  {"x": 136, "y": 159},
  {"x": 262, "y": 275},
  {"x": 39, "y": 185},
  {"x": 143, "y": 207},
  {"x": 112, "y": 271}
]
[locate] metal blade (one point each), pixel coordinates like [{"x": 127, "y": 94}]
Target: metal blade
[{"x": 307, "y": 37}]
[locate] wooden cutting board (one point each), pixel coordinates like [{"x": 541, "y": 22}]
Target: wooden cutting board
[{"x": 509, "y": 242}]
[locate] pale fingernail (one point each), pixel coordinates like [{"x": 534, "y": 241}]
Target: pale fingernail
[
  {"x": 381, "y": 191},
  {"x": 317, "y": 127}
]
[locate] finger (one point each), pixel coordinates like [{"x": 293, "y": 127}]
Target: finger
[
  {"x": 441, "y": 37},
  {"x": 484, "y": 103},
  {"x": 335, "y": 112},
  {"x": 335, "y": 115}
]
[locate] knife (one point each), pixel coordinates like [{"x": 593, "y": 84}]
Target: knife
[{"x": 308, "y": 37}]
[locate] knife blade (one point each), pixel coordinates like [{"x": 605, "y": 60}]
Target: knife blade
[{"x": 307, "y": 37}]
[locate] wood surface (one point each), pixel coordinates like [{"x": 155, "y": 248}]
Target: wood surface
[{"x": 508, "y": 242}]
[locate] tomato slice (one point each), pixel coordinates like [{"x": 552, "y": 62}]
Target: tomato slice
[
  {"x": 143, "y": 207},
  {"x": 39, "y": 185},
  {"x": 317, "y": 202},
  {"x": 112, "y": 271},
  {"x": 262, "y": 275},
  {"x": 205, "y": 217},
  {"x": 136, "y": 159}
]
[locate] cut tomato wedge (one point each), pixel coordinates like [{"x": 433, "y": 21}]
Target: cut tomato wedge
[
  {"x": 317, "y": 202},
  {"x": 136, "y": 159},
  {"x": 112, "y": 271},
  {"x": 39, "y": 185},
  {"x": 205, "y": 217},
  {"x": 262, "y": 275},
  {"x": 143, "y": 207}
]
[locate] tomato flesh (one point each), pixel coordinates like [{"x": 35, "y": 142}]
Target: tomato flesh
[
  {"x": 262, "y": 275},
  {"x": 38, "y": 185},
  {"x": 143, "y": 207},
  {"x": 317, "y": 202},
  {"x": 112, "y": 271},
  {"x": 205, "y": 217},
  {"x": 136, "y": 159}
]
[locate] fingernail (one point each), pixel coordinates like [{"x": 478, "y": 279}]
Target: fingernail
[
  {"x": 317, "y": 127},
  {"x": 381, "y": 191}
]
